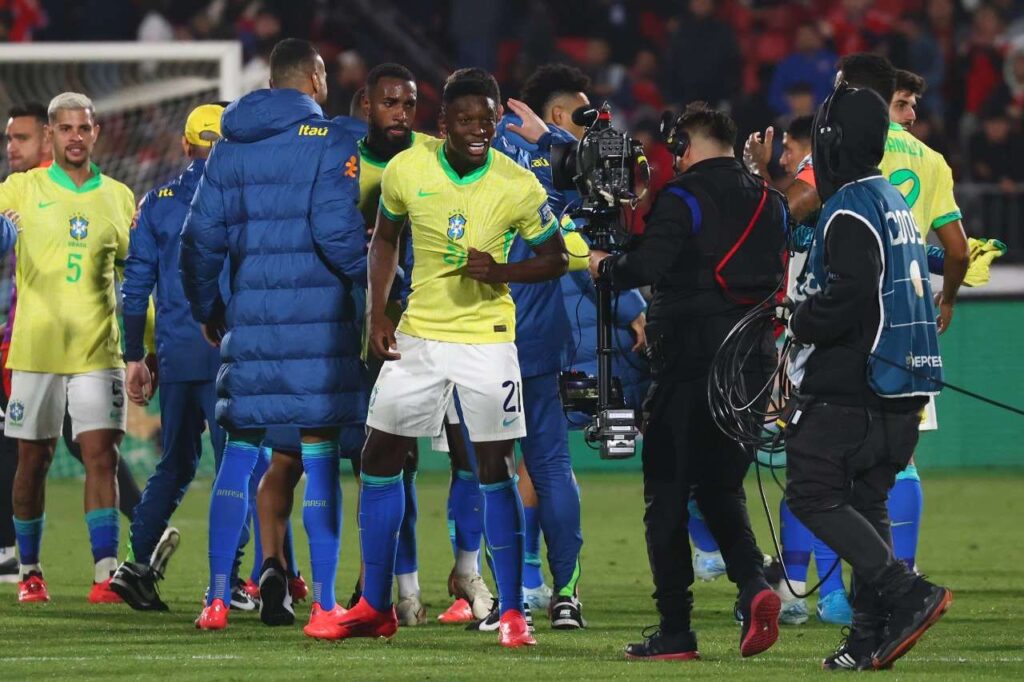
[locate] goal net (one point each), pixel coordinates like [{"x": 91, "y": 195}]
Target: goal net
[{"x": 143, "y": 93}]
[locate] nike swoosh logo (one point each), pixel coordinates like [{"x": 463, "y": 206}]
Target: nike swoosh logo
[
  {"x": 509, "y": 422},
  {"x": 44, "y": 204},
  {"x": 901, "y": 523},
  {"x": 421, "y": 193}
]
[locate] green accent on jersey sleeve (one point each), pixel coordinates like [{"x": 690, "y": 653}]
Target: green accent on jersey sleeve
[
  {"x": 388, "y": 214},
  {"x": 549, "y": 230},
  {"x": 946, "y": 219}
]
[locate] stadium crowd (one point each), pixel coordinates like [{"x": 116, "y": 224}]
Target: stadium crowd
[{"x": 769, "y": 61}]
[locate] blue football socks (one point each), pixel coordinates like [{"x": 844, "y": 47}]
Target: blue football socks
[
  {"x": 797, "y": 542},
  {"x": 532, "y": 575},
  {"x": 381, "y": 510},
  {"x": 503, "y": 525},
  {"x": 229, "y": 511},
  {"x": 906, "y": 502},
  {"x": 321, "y": 516}
]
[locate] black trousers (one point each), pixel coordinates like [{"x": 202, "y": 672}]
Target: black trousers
[
  {"x": 840, "y": 465},
  {"x": 684, "y": 451}
]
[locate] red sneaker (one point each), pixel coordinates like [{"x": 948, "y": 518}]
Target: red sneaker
[
  {"x": 365, "y": 621},
  {"x": 459, "y": 612},
  {"x": 33, "y": 588},
  {"x": 298, "y": 589},
  {"x": 251, "y": 588},
  {"x": 102, "y": 594},
  {"x": 322, "y": 624},
  {"x": 213, "y": 617},
  {"x": 513, "y": 630},
  {"x": 761, "y": 625}
]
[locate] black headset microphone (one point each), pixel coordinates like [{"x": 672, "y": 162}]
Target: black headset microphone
[{"x": 585, "y": 116}]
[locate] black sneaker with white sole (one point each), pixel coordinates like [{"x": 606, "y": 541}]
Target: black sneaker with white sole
[
  {"x": 275, "y": 601},
  {"x": 566, "y": 613},
  {"x": 136, "y": 584},
  {"x": 493, "y": 619}
]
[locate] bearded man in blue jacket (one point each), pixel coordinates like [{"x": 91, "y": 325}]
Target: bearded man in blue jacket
[{"x": 278, "y": 198}]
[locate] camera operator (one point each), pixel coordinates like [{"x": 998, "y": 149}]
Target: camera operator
[{"x": 712, "y": 249}]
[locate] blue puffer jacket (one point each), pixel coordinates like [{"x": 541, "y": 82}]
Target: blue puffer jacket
[{"x": 279, "y": 197}]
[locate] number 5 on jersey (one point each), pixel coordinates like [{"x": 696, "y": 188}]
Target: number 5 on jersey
[{"x": 74, "y": 267}]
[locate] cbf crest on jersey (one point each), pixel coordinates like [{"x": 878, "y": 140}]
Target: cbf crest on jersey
[
  {"x": 79, "y": 226},
  {"x": 456, "y": 226}
]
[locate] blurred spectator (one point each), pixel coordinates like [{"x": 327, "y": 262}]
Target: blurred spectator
[
  {"x": 19, "y": 18},
  {"x": 703, "y": 60},
  {"x": 349, "y": 77},
  {"x": 925, "y": 58},
  {"x": 1009, "y": 95},
  {"x": 800, "y": 100},
  {"x": 995, "y": 152},
  {"x": 857, "y": 26},
  {"x": 155, "y": 26},
  {"x": 608, "y": 81},
  {"x": 643, "y": 76},
  {"x": 982, "y": 60},
  {"x": 473, "y": 32},
  {"x": 812, "y": 64}
]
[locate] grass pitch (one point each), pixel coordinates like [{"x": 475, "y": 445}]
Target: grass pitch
[{"x": 971, "y": 542}]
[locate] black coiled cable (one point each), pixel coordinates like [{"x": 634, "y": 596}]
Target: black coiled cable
[{"x": 743, "y": 408}]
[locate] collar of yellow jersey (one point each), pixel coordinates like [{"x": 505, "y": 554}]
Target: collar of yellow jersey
[
  {"x": 469, "y": 177},
  {"x": 893, "y": 125},
  {"x": 58, "y": 175}
]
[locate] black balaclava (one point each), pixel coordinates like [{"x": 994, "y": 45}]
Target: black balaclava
[{"x": 859, "y": 122}]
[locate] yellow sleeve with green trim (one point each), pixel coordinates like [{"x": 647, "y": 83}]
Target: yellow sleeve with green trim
[
  {"x": 392, "y": 192},
  {"x": 536, "y": 221}
]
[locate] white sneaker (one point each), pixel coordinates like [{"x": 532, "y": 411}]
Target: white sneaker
[
  {"x": 10, "y": 569},
  {"x": 411, "y": 611},
  {"x": 164, "y": 550},
  {"x": 538, "y": 597},
  {"x": 474, "y": 590},
  {"x": 708, "y": 566}
]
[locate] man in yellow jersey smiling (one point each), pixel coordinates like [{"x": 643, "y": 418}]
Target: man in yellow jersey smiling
[
  {"x": 465, "y": 203},
  {"x": 66, "y": 350}
]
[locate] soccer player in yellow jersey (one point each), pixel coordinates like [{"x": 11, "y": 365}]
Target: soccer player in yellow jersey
[
  {"x": 65, "y": 351},
  {"x": 465, "y": 203}
]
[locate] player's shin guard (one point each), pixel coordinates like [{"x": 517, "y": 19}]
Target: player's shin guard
[
  {"x": 405, "y": 560},
  {"x": 532, "y": 576},
  {"x": 503, "y": 524},
  {"x": 381, "y": 510},
  {"x": 229, "y": 511},
  {"x": 465, "y": 504},
  {"x": 321, "y": 515},
  {"x": 906, "y": 502},
  {"x": 699, "y": 532},
  {"x": 29, "y": 535},
  {"x": 797, "y": 543}
]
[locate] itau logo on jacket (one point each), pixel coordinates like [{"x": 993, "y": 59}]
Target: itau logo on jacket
[{"x": 79, "y": 226}]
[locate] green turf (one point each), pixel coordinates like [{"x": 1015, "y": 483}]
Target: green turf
[{"x": 971, "y": 543}]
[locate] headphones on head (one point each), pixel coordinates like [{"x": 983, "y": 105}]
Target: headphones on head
[
  {"x": 828, "y": 134},
  {"x": 676, "y": 139}
]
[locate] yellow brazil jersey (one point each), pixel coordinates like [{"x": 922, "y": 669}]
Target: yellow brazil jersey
[
  {"x": 922, "y": 176},
  {"x": 449, "y": 214},
  {"x": 71, "y": 239},
  {"x": 371, "y": 170}
]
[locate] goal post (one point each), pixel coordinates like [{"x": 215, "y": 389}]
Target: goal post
[{"x": 142, "y": 91}]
